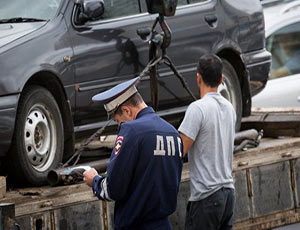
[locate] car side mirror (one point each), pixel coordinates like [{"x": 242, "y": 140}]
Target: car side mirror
[{"x": 89, "y": 10}]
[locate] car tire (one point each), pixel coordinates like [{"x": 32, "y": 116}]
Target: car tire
[
  {"x": 231, "y": 90},
  {"x": 38, "y": 139}
]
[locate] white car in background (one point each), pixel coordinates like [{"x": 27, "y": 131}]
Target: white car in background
[{"x": 282, "y": 25}]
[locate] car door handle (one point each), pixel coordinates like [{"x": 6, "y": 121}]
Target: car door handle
[
  {"x": 144, "y": 33},
  {"x": 211, "y": 20},
  {"x": 298, "y": 98}
]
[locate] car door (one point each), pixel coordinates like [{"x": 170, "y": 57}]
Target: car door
[
  {"x": 196, "y": 29},
  {"x": 106, "y": 52},
  {"x": 283, "y": 88}
]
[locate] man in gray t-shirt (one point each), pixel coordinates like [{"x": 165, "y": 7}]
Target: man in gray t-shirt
[{"x": 207, "y": 132}]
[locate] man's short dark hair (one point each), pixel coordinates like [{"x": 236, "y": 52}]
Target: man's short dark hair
[
  {"x": 210, "y": 67},
  {"x": 134, "y": 101}
]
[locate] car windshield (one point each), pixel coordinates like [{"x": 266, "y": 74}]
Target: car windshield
[{"x": 28, "y": 10}]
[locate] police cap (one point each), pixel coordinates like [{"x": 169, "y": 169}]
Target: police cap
[{"x": 117, "y": 95}]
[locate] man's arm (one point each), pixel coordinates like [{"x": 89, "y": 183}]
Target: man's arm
[
  {"x": 98, "y": 184},
  {"x": 123, "y": 161},
  {"x": 190, "y": 127},
  {"x": 119, "y": 170},
  {"x": 187, "y": 143}
]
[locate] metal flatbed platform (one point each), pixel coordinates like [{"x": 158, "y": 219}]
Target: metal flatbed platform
[
  {"x": 267, "y": 182},
  {"x": 267, "y": 191}
]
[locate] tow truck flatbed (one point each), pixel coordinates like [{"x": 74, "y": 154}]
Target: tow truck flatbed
[{"x": 267, "y": 182}]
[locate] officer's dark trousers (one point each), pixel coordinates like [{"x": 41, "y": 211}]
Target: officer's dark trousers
[
  {"x": 161, "y": 224},
  {"x": 212, "y": 213}
]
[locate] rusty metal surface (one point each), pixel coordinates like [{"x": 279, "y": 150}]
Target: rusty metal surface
[
  {"x": 177, "y": 218},
  {"x": 275, "y": 191},
  {"x": 51, "y": 198},
  {"x": 267, "y": 195},
  {"x": 7, "y": 216},
  {"x": 52, "y": 220},
  {"x": 2, "y": 186},
  {"x": 38, "y": 222},
  {"x": 71, "y": 175},
  {"x": 297, "y": 181},
  {"x": 110, "y": 214},
  {"x": 84, "y": 216},
  {"x": 243, "y": 202},
  {"x": 104, "y": 216},
  {"x": 272, "y": 189}
]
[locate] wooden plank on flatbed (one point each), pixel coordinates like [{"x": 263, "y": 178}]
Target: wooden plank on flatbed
[
  {"x": 274, "y": 121},
  {"x": 268, "y": 152},
  {"x": 35, "y": 200},
  {"x": 2, "y": 186}
]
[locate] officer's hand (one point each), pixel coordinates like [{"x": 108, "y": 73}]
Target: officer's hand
[{"x": 89, "y": 175}]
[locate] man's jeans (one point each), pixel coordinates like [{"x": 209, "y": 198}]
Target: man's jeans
[{"x": 212, "y": 213}]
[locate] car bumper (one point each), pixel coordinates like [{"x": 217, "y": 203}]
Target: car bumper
[
  {"x": 8, "y": 110},
  {"x": 258, "y": 64}
]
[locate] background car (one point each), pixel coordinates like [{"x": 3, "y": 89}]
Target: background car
[
  {"x": 56, "y": 54},
  {"x": 282, "y": 20}
]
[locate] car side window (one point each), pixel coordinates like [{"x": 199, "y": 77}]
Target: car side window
[
  {"x": 196, "y": 1},
  {"x": 120, "y": 8},
  {"x": 284, "y": 44},
  {"x": 181, "y": 2}
]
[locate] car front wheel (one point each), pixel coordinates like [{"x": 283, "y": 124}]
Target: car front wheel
[
  {"x": 231, "y": 90},
  {"x": 38, "y": 139}
]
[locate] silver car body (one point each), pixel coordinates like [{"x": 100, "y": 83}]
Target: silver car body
[{"x": 284, "y": 91}]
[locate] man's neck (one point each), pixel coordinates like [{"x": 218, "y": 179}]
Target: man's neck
[
  {"x": 204, "y": 90},
  {"x": 138, "y": 109}
]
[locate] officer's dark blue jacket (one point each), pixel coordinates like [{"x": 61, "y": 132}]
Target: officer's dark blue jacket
[{"x": 144, "y": 173}]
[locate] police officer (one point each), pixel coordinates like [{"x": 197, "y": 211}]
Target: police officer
[{"x": 144, "y": 171}]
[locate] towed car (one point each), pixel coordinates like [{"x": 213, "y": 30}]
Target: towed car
[{"x": 56, "y": 54}]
